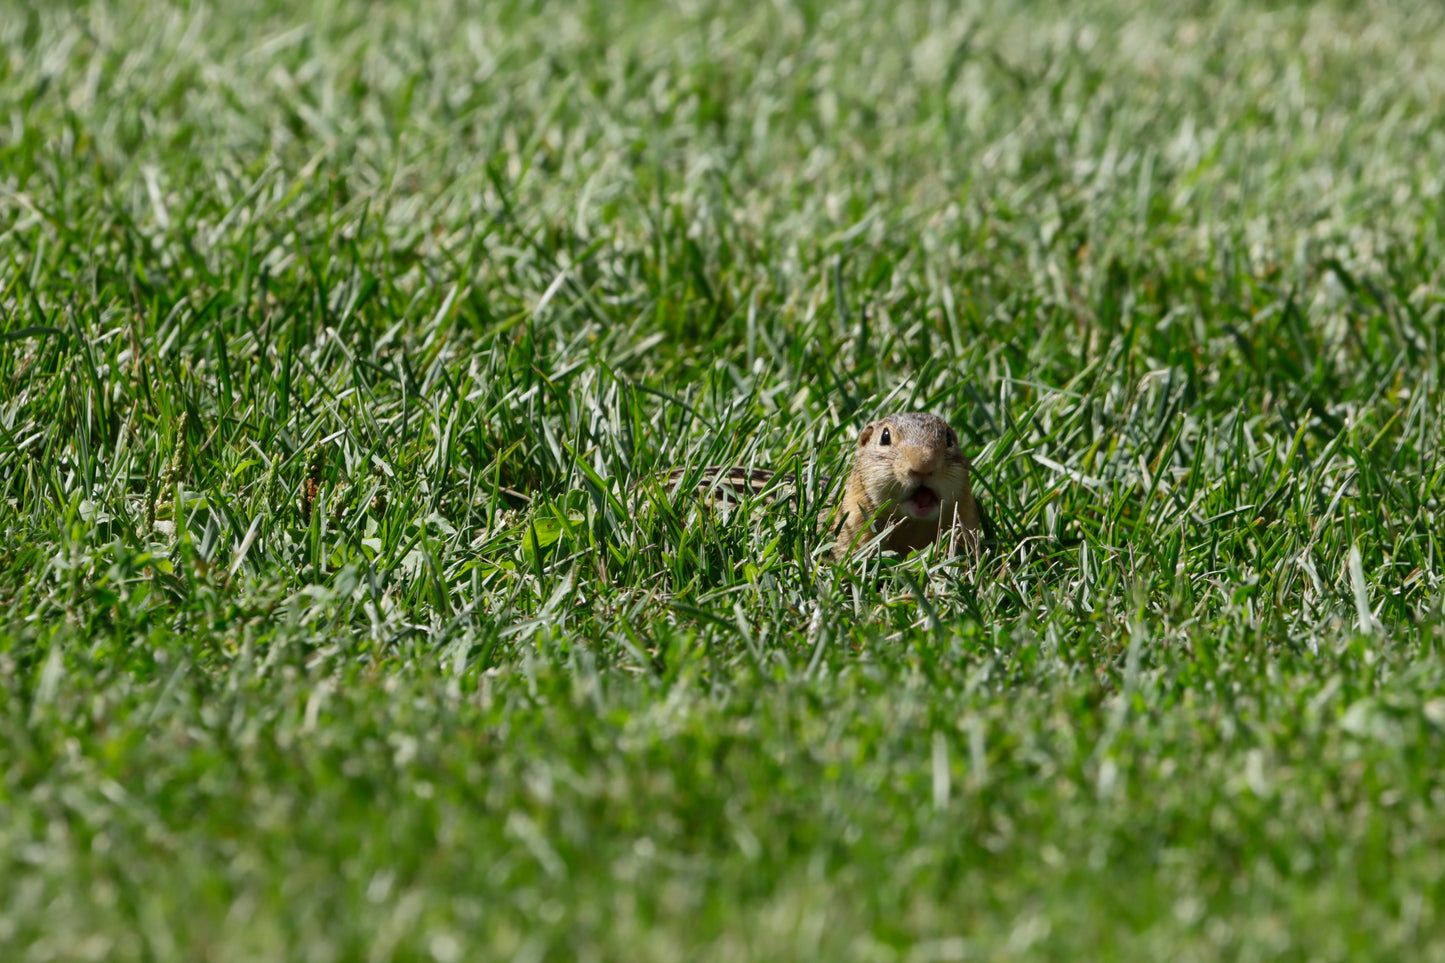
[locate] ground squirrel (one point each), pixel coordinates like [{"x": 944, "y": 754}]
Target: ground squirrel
[{"x": 909, "y": 479}]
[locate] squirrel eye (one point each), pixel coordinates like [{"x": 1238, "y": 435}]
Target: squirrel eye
[
  {"x": 885, "y": 438},
  {"x": 952, "y": 439}
]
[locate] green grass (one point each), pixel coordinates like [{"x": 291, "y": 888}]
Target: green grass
[{"x": 334, "y": 336}]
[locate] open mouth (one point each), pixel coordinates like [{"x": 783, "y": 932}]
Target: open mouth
[{"x": 922, "y": 502}]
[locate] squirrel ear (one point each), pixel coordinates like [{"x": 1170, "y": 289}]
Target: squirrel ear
[{"x": 865, "y": 435}]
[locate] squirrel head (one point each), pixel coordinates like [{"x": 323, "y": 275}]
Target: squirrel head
[{"x": 912, "y": 462}]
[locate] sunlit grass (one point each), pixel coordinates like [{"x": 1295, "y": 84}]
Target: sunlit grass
[{"x": 339, "y": 344}]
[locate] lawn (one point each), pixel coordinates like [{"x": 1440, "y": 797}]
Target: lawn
[{"x": 340, "y": 620}]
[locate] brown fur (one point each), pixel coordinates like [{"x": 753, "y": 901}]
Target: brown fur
[{"x": 921, "y": 449}]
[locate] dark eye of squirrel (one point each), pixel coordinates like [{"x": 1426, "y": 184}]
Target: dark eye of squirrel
[
  {"x": 952, "y": 439},
  {"x": 885, "y": 438}
]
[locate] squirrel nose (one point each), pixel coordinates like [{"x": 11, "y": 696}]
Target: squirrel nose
[{"x": 922, "y": 469}]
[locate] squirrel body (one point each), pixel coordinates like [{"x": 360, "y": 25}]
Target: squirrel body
[{"x": 909, "y": 482}]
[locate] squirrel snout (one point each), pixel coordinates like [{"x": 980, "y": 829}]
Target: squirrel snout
[{"x": 923, "y": 468}]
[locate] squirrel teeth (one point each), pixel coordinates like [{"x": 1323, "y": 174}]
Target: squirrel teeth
[{"x": 923, "y": 502}]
